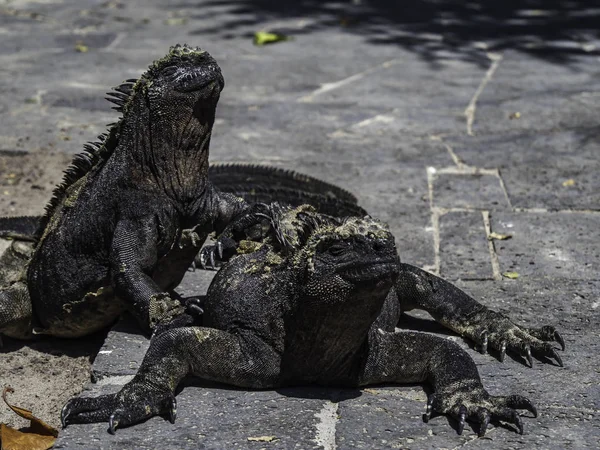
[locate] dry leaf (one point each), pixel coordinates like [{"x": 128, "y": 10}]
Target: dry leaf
[
  {"x": 498, "y": 236},
  {"x": 176, "y": 21},
  {"x": 568, "y": 183},
  {"x": 81, "y": 47},
  {"x": 511, "y": 275},
  {"x": 263, "y": 438},
  {"x": 38, "y": 436},
  {"x": 371, "y": 391},
  {"x": 265, "y": 37}
]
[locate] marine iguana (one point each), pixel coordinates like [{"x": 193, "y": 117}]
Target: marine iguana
[
  {"x": 132, "y": 211},
  {"x": 316, "y": 302}
]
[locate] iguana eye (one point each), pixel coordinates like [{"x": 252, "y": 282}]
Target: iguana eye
[
  {"x": 338, "y": 248},
  {"x": 169, "y": 71}
]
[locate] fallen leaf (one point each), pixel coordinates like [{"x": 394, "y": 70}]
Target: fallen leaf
[
  {"x": 263, "y": 438},
  {"x": 511, "y": 275},
  {"x": 38, "y": 436},
  {"x": 174, "y": 21},
  {"x": 498, "y": 236},
  {"x": 371, "y": 391},
  {"x": 81, "y": 47},
  {"x": 570, "y": 182},
  {"x": 265, "y": 37}
]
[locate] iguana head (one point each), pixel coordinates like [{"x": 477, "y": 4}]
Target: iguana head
[
  {"x": 355, "y": 258},
  {"x": 168, "y": 114}
]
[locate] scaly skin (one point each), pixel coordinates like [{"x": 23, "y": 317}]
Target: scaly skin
[
  {"x": 416, "y": 289},
  {"x": 314, "y": 303},
  {"x": 252, "y": 182},
  {"x": 110, "y": 238}
]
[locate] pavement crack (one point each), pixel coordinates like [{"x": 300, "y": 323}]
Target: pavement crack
[
  {"x": 503, "y": 187},
  {"x": 326, "y": 87},
  {"x": 493, "y": 255},
  {"x": 435, "y": 223},
  {"x": 471, "y": 108}
]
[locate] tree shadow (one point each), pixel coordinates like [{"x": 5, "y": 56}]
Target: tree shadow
[{"x": 552, "y": 30}]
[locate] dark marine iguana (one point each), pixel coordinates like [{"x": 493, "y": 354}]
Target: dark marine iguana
[
  {"x": 316, "y": 302},
  {"x": 132, "y": 211}
]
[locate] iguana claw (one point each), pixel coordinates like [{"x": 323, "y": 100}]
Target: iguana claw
[
  {"x": 462, "y": 414},
  {"x": 528, "y": 356},
  {"x": 173, "y": 410},
  {"x": 484, "y": 342},
  {"x": 502, "y": 351},
  {"x": 558, "y": 338},
  {"x": 112, "y": 424}
]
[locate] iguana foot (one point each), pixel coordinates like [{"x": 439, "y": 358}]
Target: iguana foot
[
  {"x": 211, "y": 257},
  {"x": 136, "y": 402},
  {"x": 476, "y": 405},
  {"x": 496, "y": 331}
]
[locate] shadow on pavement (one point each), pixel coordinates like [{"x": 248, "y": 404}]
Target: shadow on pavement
[{"x": 552, "y": 30}]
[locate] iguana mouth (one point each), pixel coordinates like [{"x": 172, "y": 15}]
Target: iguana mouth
[
  {"x": 198, "y": 78},
  {"x": 368, "y": 271}
]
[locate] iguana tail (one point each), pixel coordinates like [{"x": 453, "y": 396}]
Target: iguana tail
[
  {"x": 22, "y": 228},
  {"x": 256, "y": 183}
]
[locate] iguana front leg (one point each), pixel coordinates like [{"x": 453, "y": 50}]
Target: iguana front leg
[
  {"x": 461, "y": 313},
  {"x": 249, "y": 362},
  {"x": 133, "y": 258},
  {"x": 413, "y": 357}
]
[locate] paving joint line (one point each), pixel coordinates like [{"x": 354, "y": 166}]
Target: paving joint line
[
  {"x": 472, "y": 107},
  {"x": 493, "y": 255},
  {"x": 326, "y": 87},
  {"x": 503, "y": 186},
  {"x": 326, "y": 427},
  {"x": 435, "y": 223}
]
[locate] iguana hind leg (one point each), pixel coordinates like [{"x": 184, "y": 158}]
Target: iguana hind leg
[
  {"x": 15, "y": 302},
  {"x": 15, "y": 311}
]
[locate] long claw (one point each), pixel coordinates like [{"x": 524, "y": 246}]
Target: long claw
[
  {"x": 212, "y": 259},
  {"x": 484, "y": 342},
  {"x": 520, "y": 402},
  {"x": 428, "y": 410},
  {"x": 557, "y": 357},
  {"x": 220, "y": 249},
  {"x": 558, "y": 338},
  {"x": 518, "y": 423},
  {"x": 112, "y": 424},
  {"x": 203, "y": 260},
  {"x": 173, "y": 410},
  {"x": 64, "y": 415},
  {"x": 485, "y": 421},
  {"x": 462, "y": 414},
  {"x": 502, "y": 351},
  {"x": 528, "y": 356}
]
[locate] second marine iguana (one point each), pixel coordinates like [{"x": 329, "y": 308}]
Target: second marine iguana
[
  {"x": 132, "y": 211},
  {"x": 316, "y": 302}
]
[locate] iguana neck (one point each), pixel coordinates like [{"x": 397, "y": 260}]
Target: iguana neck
[{"x": 171, "y": 154}]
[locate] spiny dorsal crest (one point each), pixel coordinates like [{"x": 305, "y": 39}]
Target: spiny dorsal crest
[{"x": 96, "y": 153}]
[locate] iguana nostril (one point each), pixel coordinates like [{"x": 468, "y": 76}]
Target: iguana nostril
[{"x": 379, "y": 245}]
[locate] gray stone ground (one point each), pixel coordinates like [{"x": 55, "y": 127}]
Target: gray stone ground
[{"x": 447, "y": 125}]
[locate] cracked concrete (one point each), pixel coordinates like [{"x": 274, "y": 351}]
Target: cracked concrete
[{"x": 384, "y": 119}]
